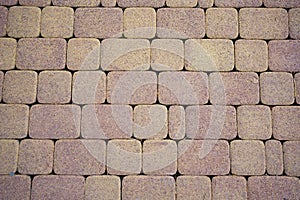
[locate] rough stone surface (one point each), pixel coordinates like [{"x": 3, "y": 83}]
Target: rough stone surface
[
  {"x": 108, "y": 3},
  {"x": 282, "y": 3},
  {"x": 9, "y": 156},
  {"x": 193, "y": 188},
  {"x": 8, "y": 48},
  {"x": 1, "y": 83},
  {"x": 3, "y": 20},
  {"x": 76, "y": 3},
  {"x": 274, "y": 157},
  {"x": 181, "y": 3},
  {"x": 205, "y": 3},
  {"x": 38, "y": 3},
  {"x": 291, "y": 152},
  {"x": 8, "y": 2},
  {"x": 141, "y": 3},
  {"x": 297, "y": 87},
  {"x": 177, "y": 122},
  {"x": 15, "y": 187},
  {"x": 238, "y": 3},
  {"x": 294, "y": 23}
]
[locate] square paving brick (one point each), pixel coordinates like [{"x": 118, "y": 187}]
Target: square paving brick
[
  {"x": 247, "y": 157},
  {"x": 251, "y": 55},
  {"x": 24, "y": 21},
  {"x": 184, "y": 88},
  {"x": 107, "y": 121},
  {"x": 274, "y": 157},
  {"x": 180, "y": 23},
  {"x": 15, "y": 187},
  {"x": 181, "y": 3},
  {"x": 277, "y": 88},
  {"x": 205, "y": 3},
  {"x": 108, "y": 3},
  {"x": 102, "y": 188},
  {"x": 124, "y": 157},
  {"x": 38, "y": 3},
  {"x": 49, "y": 187},
  {"x": 41, "y": 53},
  {"x": 297, "y": 87},
  {"x": 89, "y": 87},
  {"x": 36, "y": 156},
  {"x": 1, "y": 83},
  {"x": 9, "y": 156},
  {"x": 159, "y": 157},
  {"x": 141, "y": 3},
  {"x": 263, "y": 23},
  {"x": 76, "y": 3},
  {"x": 54, "y": 121},
  {"x": 193, "y": 188},
  {"x": 13, "y": 121},
  {"x": 238, "y": 3},
  {"x": 54, "y": 87},
  {"x": 139, "y": 23},
  {"x": 57, "y": 22},
  {"x": 203, "y": 157},
  {"x": 148, "y": 187},
  {"x": 8, "y": 2},
  {"x": 8, "y": 48},
  {"x": 176, "y": 119},
  {"x": 150, "y": 121},
  {"x": 79, "y": 157},
  {"x": 3, "y": 20},
  {"x": 209, "y": 55},
  {"x": 98, "y": 22},
  {"x": 20, "y": 87},
  {"x": 282, "y": 3},
  {"x": 294, "y": 23},
  {"x": 291, "y": 152}
]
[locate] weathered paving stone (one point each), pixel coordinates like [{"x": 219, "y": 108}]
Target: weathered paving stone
[
  {"x": 203, "y": 157},
  {"x": 238, "y": 3},
  {"x": 41, "y": 53},
  {"x": 294, "y": 23},
  {"x": 180, "y": 23},
  {"x": 15, "y": 187},
  {"x": 35, "y": 156},
  {"x": 54, "y": 121},
  {"x": 38, "y": 3},
  {"x": 20, "y": 87},
  {"x": 3, "y": 20},
  {"x": 141, "y": 3},
  {"x": 8, "y": 48},
  {"x": 1, "y": 83},
  {"x": 23, "y": 21},
  {"x": 262, "y": 23},
  {"x": 205, "y": 3},
  {"x": 76, "y": 3},
  {"x": 176, "y": 119},
  {"x": 277, "y": 88},
  {"x": 98, "y": 22},
  {"x": 291, "y": 152},
  {"x": 282, "y": 3},
  {"x": 181, "y": 3},
  {"x": 57, "y": 187},
  {"x": 148, "y": 187},
  {"x": 107, "y": 121},
  {"x": 79, "y": 157},
  {"x": 8, "y": 2},
  {"x": 193, "y": 187},
  {"x": 108, "y": 3},
  {"x": 297, "y": 87},
  {"x": 9, "y": 156},
  {"x": 102, "y": 187},
  {"x": 274, "y": 157},
  {"x": 124, "y": 157},
  {"x": 247, "y": 157}
]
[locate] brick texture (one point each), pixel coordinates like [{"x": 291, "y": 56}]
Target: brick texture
[
  {"x": 8, "y": 53},
  {"x": 9, "y": 156},
  {"x": 193, "y": 187},
  {"x": 8, "y": 2},
  {"x": 15, "y": 187},
  {"x": 274, "y": 157},
  {"x": 282, "y": 3},
  {"x": 141, "y": 3},
  {"x": 1, "y": 83},
  {"x": 3, "y": 20},
  {"x": 76, "y": 3},
  {"x": 294, "y": 21},
  {"x": 205, "y": 3},
  {"x": 291, "y": 151},
  {"x": 238, "y": 3},
  {"x": 38, "y": 3},
  {"x": 297, "y": 87},
  {"x": 181, "y": 3},
  {"x": 177, "y": 124}
]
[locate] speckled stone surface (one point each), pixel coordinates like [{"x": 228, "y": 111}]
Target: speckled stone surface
[
  {"x": 238, "y": 3},
  {"x": 181, "y": 3},
  {"x": 15, "y": 187},
  {"x": 8, "y": 48},
  {"x": 8, "y": 2},
  {"x": 282, "y": 3},
  {"x": 193, "y": 187},
  {"x": 3, "y": 20},
  {"x": 291, "y": 152},
  {"x": 274, "y": 157},
  {"x": 76, "y": 3},
  {"x": 108, "y": 3},
  {"x": 297, "y": 87},
  {"x": 177, "y": 124},
  {"x": 205, "y": 3},
  {"x": 9, "y": 156},
  {"x": 294, "y": 23},
  {"x": 1, "y": 83},
  {"x": 39, "y": 3},
  {"x": 141, "y": 3}
]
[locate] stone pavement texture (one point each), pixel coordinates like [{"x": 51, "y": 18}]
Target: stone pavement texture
[{"x": 149, "y": 99}]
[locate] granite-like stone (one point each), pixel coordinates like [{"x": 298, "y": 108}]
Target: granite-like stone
[
  {"x": 177, "y": 124},
  {"x": 108, "y": 3},
  {"x": 8, "y": 2},
  {"x": 294, "y": 23},
  {"x": 141, "y": 3},
  {"x": 76, "y": 3},
  {"x": 238, "y": 3},
  {"x": 3, "y": 20},
  {"x": 291, "y": 152},
  {"x": 181, "y": 3},
  {"x": 8, "y": 48},
  {"x": 38, "y": 3},
  {"x": 282, "y": 3},
  {"x": 9, "y": 156},
  {"x": 1, "y": 83},
  {"x": 274, "y": 157},
  {"x": 193, "y": 187},
  {"x": 205, "y": 3},
  {"x": 297, "y": 87},
  {"x": 15, "y": 187}
]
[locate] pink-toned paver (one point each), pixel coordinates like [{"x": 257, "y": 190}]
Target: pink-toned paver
[
  {"x": 193, "y": 188},
  {"x": 291, "y": 152},
  {"x": 76, "y": 3},
  {"x": 38, "y": 3},
  {"x": 177, "y": 124},
  {"x": 1, "y": 83},
  {"x": 15, "y": 187},
  {"x": 181, "y": 3},
  {"x": 141, "y": 3},
  {"x": 8, "y": 53},
  {"x": 108, "y": 3},
  {"x": 294, "y": 23},
  {"x": 282, "y": 3},
  {"x": 205, "y": 3},
  {"x": 238, "y": 3},
  {"x": 9, "y": 156},
  {"x": 3, "y": 20},
  {"x": 274, "y": 157},
  {"x": 297, "y": 87},
  {"x": 8, "y": 2}
]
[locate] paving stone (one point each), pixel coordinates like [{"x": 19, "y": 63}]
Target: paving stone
[
  {"x": 8, "y": 2},
  {"x": 89, "y": 87},
  {"x": 229, "y": 187},
  {"x": 98, "y": 22},
  {"x": 211, "y": 122},
  {"x": 79, "y": 157},
  {"x": 107, "y": 121},
  {"x": 13, "y": 121},
  {"x": 3, "y": 20},
  {"x": 205, "y": 3},
  {"x": 41, "y": 53},
  {"x": 108, "y": 3},
  {"x": 23, "y": 21},
  {"x": 273, "y": 187},
  {"x": 176, "y": 122},
  {"x": 203, "y": 157},
  {"x": 193, "y": 188},
  {"x": 277, "y": 88},
  {"x": 263, "y": 23},
  {"x": 247, "y": 157},
  {"x": 251, "y": 55},
  {"x": 291, "y": 152},
  {"x": 282, "y": 3},
  {"x": 57, "y": 22},
  {"x": 148, "y": 187},
  {"x": 131, "y": 87},
  {"x": 57, "y": 187},
  {"x": 254, "y": 122},
  {"x": 150, "y": 121},
  {"x": 38, "y": 3},
  {"x": 180, "y": 23},
  {"x": 124, "y": 157},
  {"x": 9, "y": 156},
  {"x": 54, "y": 121},
  {"x": 294, "y": 23},
  {"x": 209, "y": 55},
  {"x": 238, "y": 3},
  {"x": 141, "y": 3},
  {"x": 15, "y": 187},
  {"x": 102, "y": 187},
  {"x": 159, "y": 157},
  {"x": 54, "y": 87},
  {"x": 183, "y": 88},
  {"x": 139, "y": 23},
  {"x": 297, "y": 87},
  {"x": 274, "y": 157},
  {"x": 76, "y": 3},
  {"x": 8, "y": 48},
  {"x": 36, "y": 156},
  {"x": 1, "y": 83},
  {"x": 20, "y": 87},
  {"x": 125, "y": 54},
  {"x": 181, "y": 3}
]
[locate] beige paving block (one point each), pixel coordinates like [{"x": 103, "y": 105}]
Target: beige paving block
[
  {"x": 13, "y": 121},
  {"x": 203, "y": 157},
  {"x": 3, "y": 20},
  {"x": 9, "y": 156},
  {"x": 139, "y": 23},
  {"x": 80, "y": 157},
  {"x": 181, "y": 3},
  {"x": 102, "y": 187},
  {"x": 193, "y": 188},
  {"x": 76, "y": 3},
  {"x": 38, "y": 3},
  {"x": 180, "y": 23},
  {"x": 15, "y": 187},
  {"x": 254, "y": 122},
  {"x": 8, "y": 2},
  {"x": 141, "y": 3},
  {"x": 294, "y": 23},
  {"x": 150, "y": 121},
  {"x": 35, "y": 156},
  {"x": 238, "y": 3},
  {"x": 209, "y": 55},
  {"x": 205, "y": 3},
  {"x": 297, "y": 87},
  {"x": 177, "y": 125},
  {"x": 23, "y": 21},
  {"x": 274, "y": 157},
  {"x": 247, "y": 157},
  {"x": 291, "y": 152},
  {"x": 282, "y": 3},
  {"x": 277, "y": 88},
  {"x": 124, "y": 157},
  {"x": 263, "y": 23},
  {"x": 20, "y": 87},
  {"x": 8, "y": 48},
  {"x": 1, "y": 83},
  {"x": 108, "y": 3}
]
